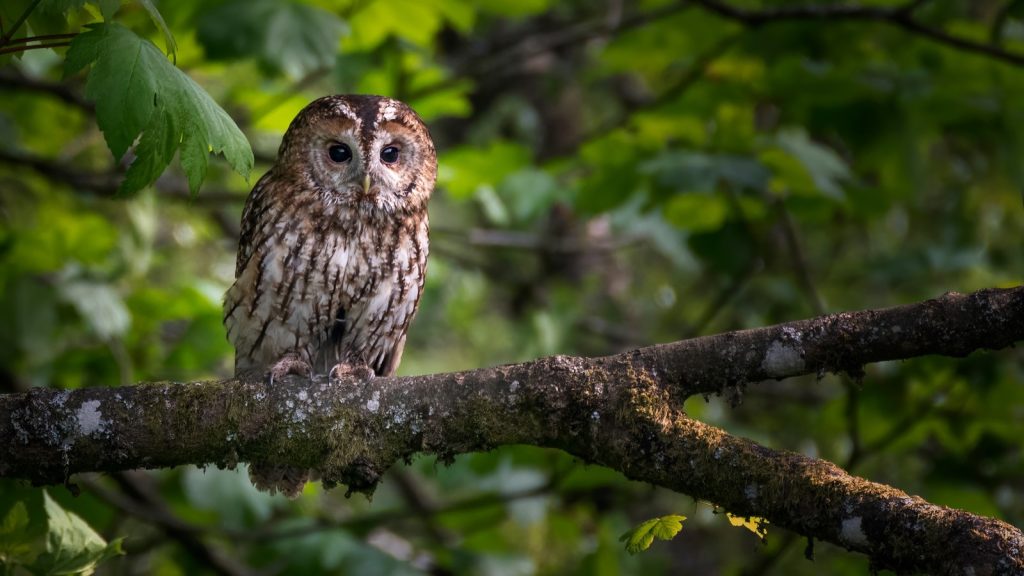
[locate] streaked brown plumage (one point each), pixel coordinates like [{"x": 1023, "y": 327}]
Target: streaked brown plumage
[{"x": 333, "y": 250}]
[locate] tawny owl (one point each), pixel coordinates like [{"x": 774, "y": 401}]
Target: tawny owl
[{"x": 333, "y": 249}]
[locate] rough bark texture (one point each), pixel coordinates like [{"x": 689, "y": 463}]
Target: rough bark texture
[{"x": 619, "y": 411}]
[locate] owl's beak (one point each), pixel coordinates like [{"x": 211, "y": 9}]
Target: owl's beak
[{"x": 366, "y": 185}]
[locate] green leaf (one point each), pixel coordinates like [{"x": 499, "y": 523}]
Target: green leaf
[
  {"x": 72, "y": 547},
  {"x": 377, "y": 20},
  {"x": 287, "y": 37},
  {"x": 464, "y": 170},
  {"x": 137, "y": 91},
  {"x": 60, "y": 7},
  {"x": 612, "y": 164},
  {"x": 229, "y": 493},
  {"x": 15, "y": 520},
  {"x": 108, "y": 8},
  {"x": 10, "y": 12},
  {"x": 696, "y": 212},
  {"x": 826, "y": 169},
  {"x": 663, "y": 528},
  {"x": 461, "y": 14},
  {"x": 160, "y": 144},
  {"x": 15, "y": 541},
  {"x": 519, "y": 8},
  {"x": 98, "y": 303},
  {"x": 678, "y": 170},
  {"x": 529, "y": 193},
  {"x": 51, "y": 16},
  {"x": 169, "y": 43}
]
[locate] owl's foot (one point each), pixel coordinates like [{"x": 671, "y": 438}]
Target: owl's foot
[
  {"x": 289, "y": 364},
  {"x": 344, "y": 370}
]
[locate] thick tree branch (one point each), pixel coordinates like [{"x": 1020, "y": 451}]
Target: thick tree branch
[{"x": 619, "y": 411}]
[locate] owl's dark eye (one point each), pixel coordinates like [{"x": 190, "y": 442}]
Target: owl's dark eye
[
  {"x": 389, "y": 154},
  {"x": 339, "y": 153}
]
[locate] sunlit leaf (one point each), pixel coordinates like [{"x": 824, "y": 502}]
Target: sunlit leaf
[
  {"x": 697, "y": 212},
  {"x": 463, "y": 170},
  {"x": 759, "y": 526},
  {"x": 663, "y": 528},
  {"x": 378, "y": 20}
]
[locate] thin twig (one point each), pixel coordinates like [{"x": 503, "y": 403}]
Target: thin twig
[
  {"x": 693, "y": 74},
  {"x": 423, "y": 506},
  {"x": 107, "y": 183},
  {"x": 797, "y": 257},
  {"x": 765, "y": 562},
  {"x": 137, "y": 501},
  {"x": 497, "y": 63},
  {"x": 16, "y": 49},
  {"x": 899, "y": 16},
  {"x": 17, "y": 23},
  {"x": 42, "y": 38},
  {"x": 386, "y": 516}
]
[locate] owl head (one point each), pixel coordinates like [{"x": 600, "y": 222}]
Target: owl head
[{"x": 370, "y": 153}]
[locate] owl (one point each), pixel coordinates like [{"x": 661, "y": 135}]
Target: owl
[{"x": 333, "y": 249}]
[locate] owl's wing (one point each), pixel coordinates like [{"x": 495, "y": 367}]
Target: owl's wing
[
  {"x": 255, "y": 207},
  {"x": 389, "y": 361}
]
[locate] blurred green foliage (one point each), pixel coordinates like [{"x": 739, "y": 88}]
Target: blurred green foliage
[
  {"x": 611, "y": 175},
  {"x": 37, "y": 535}
]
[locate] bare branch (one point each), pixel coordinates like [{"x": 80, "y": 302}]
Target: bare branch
[
  {"x": 898, "y": 16},
  {"x": 107, "y": 183},
  {"x": 42, "y": 38},
  {"x": 23, "y": 47},
  {"x": 6, "y": 38},
  {"x": 61, "y": 90},
  {"x": 137, "y": 501}
]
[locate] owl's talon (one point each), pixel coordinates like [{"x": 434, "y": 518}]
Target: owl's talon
[
  {"x": 289, "y": 365},
  {"x": 343, "y": 370}
]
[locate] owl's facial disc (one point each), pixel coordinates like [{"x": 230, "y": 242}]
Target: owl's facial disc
[
  {"x": 350, "y": 175},
  {"x": 369, "y": 153}
]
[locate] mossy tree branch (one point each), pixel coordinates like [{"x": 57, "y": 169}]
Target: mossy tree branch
[{"x": 621, "y": 411}]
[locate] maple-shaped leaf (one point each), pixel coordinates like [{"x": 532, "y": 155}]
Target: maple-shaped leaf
[
  {"x": 138, "y": 91},
  {"x": 663, "y": 528}
]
